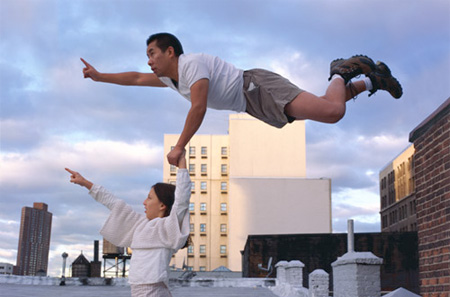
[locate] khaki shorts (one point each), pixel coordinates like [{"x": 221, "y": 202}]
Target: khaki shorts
[{"x": 267, "y": 94}]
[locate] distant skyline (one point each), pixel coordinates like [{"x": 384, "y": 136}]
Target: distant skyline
[{"x": 52, "y": 118}]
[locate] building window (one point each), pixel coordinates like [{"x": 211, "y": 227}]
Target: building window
[
  {"x": 203, "y": 186},
  {"x": 192, "y": 206},
  {"x": 202, "y": 227},
  {"x": 384, "y": 222},
  {"x": 190, "y": 249},
  {"x": 223, "y": 227},
  {"x": 412, "y": 207},
  {"x": 223, "y": 186},
  {"x": 224, "y": 168},
  {"x": 224, "y": 151},
  {"x": 192, "y": 150},
  {"x": 191, "y": 168},
  {"x": 202, "y": 268},
  {"x": 193, "y": 186},
  {"x": 204, "y": 150},
  {"x": 203, "y": 168},
  {"x": 202, "y": 249},
  {"x": 173, "y": 168},
  {"x": 203, "y": 206},
  {"x": 223, "y": 249},
  {"x": 191, "y": 228},
  {"x": 223, "y": 207}
]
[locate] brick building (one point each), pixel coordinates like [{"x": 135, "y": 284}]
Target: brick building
[
  {"x": 431, "y": 140},
  {"x": 81, "y": 267},
  {"x": 34, "y": 240}
]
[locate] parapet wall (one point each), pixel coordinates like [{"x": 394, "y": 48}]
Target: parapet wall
[
  {"x": 173, "y": 282},
  {"x": 55, "y": 281}
]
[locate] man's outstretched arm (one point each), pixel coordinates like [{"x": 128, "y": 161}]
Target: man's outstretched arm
[
  {"x": 124, "y": 78},
  {"x": 199, "y": 96}
]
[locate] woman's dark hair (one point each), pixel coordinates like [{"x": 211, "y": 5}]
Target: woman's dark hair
[
  {"x": 164, "y": 40},
  {"x": 166, "y": 194}
]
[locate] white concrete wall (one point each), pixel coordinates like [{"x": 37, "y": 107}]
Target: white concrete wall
[
  {"x": 357, "y": 274},
  {"x": 269, "y": 192},
  {"x": 257, "y": 149},
  {"x": 275, "y": 206},
  {"x": 318, "y": 283}
]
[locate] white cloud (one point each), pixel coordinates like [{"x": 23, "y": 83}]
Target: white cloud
[
  {"x": 43, "y": 166},
  {"x": 309, "y": 73},
  {"x": 367, "y": 200},
  {"x": 348, "y": 157},
  {"x": 382, "y": 142},
  {"x": 361, "y": 205}
]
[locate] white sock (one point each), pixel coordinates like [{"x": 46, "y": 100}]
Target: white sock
[
  {"x": 368, "y": 83},
  {"x": 336, "y": 76}
]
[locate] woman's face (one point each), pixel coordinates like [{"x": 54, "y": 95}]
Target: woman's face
[{"x": 154, "y": 208}]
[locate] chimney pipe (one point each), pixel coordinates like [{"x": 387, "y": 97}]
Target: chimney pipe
[
  {"x": 350, "y": 237},
  {"x": 95, "y": 250}
]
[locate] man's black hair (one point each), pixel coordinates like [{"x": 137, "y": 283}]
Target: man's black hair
[{"x": 164, "y": 40}]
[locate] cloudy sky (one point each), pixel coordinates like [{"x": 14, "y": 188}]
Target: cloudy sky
[{"x": 52, "y": 118}]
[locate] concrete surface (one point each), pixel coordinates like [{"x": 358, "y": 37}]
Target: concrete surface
[{"x": 13, "y": 290}]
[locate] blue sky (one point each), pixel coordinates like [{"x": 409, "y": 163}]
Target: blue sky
[{"x": 51, "y": 117}]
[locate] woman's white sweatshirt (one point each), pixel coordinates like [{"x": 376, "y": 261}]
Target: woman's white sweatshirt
[{"x": 153, "y": 242}]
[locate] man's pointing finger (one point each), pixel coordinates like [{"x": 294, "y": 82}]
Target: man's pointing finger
[{"x": 85, "y": 63}]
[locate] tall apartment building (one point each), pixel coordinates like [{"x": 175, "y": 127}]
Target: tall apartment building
[
  {"x": 251, "y": 181},
  {"x": 34, "y": 240},
  {"x": 208, "y": 160},
  {"x": 397, "y": 194}
]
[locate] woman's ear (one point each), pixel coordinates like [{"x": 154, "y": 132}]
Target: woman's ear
[{"x": 162, "y": 207}]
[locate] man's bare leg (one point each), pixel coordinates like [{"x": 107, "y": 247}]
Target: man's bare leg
[
  {"x": 353, "y": 89},
  {"x": 329, "y": 108}
]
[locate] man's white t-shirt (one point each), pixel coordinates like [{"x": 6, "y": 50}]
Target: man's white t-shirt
[{"x": 225, "y": 81}]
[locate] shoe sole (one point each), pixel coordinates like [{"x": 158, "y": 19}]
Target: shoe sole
[
  {"x": 362, "y": 63},
  {"x": 384, "y": 70}
]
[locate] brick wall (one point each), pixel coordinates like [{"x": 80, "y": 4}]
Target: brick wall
[{"x": 432, "y": 173}]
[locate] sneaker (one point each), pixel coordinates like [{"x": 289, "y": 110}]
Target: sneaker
[
  {"x": 382, "y": 79},
  {"x": 352, "y": 67}
]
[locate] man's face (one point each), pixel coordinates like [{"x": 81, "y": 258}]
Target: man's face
[{"x": 158, "y": 60}]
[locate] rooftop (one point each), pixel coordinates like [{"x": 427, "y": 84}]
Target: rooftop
[{"x": 13, "y": 290}]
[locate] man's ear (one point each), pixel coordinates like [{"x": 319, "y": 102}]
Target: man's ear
[{"x": 171, "y": 51}]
